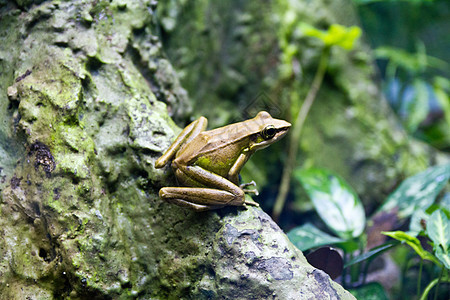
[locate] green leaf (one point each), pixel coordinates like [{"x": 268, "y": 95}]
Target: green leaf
[
  {"x": 418, "y": 191},
  {"x": 372, "y": 253},
  {"x": 309, "y": 236},
  {"x": 443, "y": 257},
  {"x": 349, "y": 245},
  {"x": 438, "y": 229},
  {"x": 440, "y": 86},
  {"x": 418, "y": 108},
  {"x": 335, "y": 201},
  {"x": 371, "y": 291},
  {"x": 445, "y": 203},
  {"x": 413, "y": 62},
  {"x": 414, "y": 243},
  {"x": 336, "y": 35}
]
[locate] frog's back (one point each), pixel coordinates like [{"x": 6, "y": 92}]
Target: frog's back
[
  {"x": 214, "y": 150},
  {"x": 221, "y": 160}
]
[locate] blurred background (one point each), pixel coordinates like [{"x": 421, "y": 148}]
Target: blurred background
[
  {"x": 367, "y": 83},
  {"x": 411, "y": 41}
]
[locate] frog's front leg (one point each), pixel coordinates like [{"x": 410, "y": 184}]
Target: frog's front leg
[
  {"x": 188, "y": 133},
  {"x": 233, "y": 174},
  {"x": 220, "y": 191}
]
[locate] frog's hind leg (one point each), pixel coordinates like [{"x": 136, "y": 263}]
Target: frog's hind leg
[
  {"x": 193, "y": 206},
  {"x": 206, "y": 189},
  {"x": 196, "y": 198}
]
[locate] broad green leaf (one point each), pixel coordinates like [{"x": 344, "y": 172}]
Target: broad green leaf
[
  {"x": 443, "y": 257},
  {"x": 445, "y": 203},
  {"x": 335, "y": 201},
  {"x": 309, "y": 236},
  {"x": 418, "y": 108},
  {"x": 372, "y": 253},
  {"x": 418, "y": 191},
  {"x": 438, "y": 229},
  {"x": 414, "y": 243},
  {"x": 370, "y": 291}
]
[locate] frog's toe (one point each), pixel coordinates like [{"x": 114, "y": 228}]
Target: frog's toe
[
  {"x": 251, "y": 183},
  {"x": 254, "y": 192},
  {"x": 250, "y": 202}
]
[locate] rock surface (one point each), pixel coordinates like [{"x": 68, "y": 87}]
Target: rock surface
[{"x": 82, "y": 122}]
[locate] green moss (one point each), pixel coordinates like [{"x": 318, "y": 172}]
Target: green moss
[
  {"x": 55, "y": 204},
  {"x": 93, "y": 123}
]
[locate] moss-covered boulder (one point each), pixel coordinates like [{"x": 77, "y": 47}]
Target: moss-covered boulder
[{"x": 84, "y": 102}]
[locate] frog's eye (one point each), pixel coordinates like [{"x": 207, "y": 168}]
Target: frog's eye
[{"x": 268, "y": 132}]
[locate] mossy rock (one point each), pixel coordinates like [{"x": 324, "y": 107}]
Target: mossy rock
[{"x": 85, "y": 97}]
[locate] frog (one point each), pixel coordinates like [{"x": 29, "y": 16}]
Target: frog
[{"x": 207, "y": 163}]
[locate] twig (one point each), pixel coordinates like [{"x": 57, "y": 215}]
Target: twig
[{"x": 295, "y": 134}]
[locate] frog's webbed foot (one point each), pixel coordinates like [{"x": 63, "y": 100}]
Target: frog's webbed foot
[
  {"x": 253, "y": 191},
  {"x": 251, "y": 183},
  {"x": 248, "y": 200}
]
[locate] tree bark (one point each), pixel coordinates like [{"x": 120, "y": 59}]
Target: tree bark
[{"x": 83, "y": 86}]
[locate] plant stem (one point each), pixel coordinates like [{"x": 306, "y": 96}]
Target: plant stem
[
  {"x": 366, "y": 270},
  {"x": 344, "y": 271},
  {"x": 362, "y": 246},
  {"x": 434, "y": 282},
  {"x": 439, "y": 281},
  {"x": 428, "y": 289},
  {"x": 419, "y": 279},
  {"x": 402, "y": 282},
  {"x": 354, "y": 275},
  {"x": 296, "y": 131}
]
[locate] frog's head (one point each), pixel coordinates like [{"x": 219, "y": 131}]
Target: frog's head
[{"x": 266, "y": 130}]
